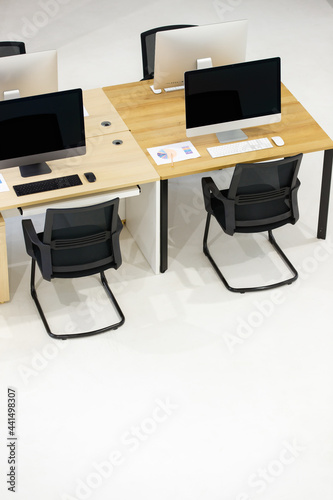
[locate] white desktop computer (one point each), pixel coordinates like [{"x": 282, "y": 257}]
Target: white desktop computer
[
  {"x": 186, "y": 49},
  {"x": 24, "y": 75}
]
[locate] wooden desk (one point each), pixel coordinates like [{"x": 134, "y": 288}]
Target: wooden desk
[
  {"x": 116, "y": 167},
  {"x": 101, "y": 111},
  {"x": 159, "y": 119}
]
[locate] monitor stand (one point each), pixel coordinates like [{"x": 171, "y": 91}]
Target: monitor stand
[
  {"x": 34, "y": 169},
  {"x": 231, "y": 136},
  {"x": 204, "y": 63},
  {"x": 11, "y": 94}
]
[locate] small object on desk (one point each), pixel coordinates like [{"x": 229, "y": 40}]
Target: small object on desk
[
  {"x": 172, "y": 89},
  {"x": 90, "y": 176},
  {"x": 278, "y": 140},
  {"x": 47, "y": 185},
  {"x": 235, "y": 148},
  {"x": 172, "y": 153},
  {"x": 156, "y": 91},
  {"x": 3, "y": 184}
]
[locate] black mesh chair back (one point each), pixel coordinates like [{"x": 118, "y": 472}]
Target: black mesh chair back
[
  {"x": 261, "y": 197},
  {"x": 264, "y": 194},
  {"x": 82, "y": 241},
  {"x": 148, "y": 48},
  {"x": 76, "y": 242},
  {"x": 11, "y": 48}
]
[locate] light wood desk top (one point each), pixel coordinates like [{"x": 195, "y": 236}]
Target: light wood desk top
[
  {"x": 159, "y": 119},
  {"x": 115, "y": 167},
  {"x": 100, "y": 110}
]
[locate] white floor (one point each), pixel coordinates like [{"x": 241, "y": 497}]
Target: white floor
[{"x": 202, "y": 394}]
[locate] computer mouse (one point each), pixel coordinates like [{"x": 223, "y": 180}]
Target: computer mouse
[
  {"x": 278, "y": 140},
  {"x": 90, "y": 176}
]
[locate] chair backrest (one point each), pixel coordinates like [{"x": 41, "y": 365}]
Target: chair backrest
[
  {"x": 11, "y": 48},
  {"x": 148, "y": 48},
  {"x": 83, "y": 240},
  {"x": 265, "y": 193}
]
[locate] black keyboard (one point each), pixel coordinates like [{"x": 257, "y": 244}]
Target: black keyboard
[{"x": 47, "y": 185}]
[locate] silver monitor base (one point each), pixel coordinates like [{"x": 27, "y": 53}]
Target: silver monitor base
[{"x": 231, "y": 135}]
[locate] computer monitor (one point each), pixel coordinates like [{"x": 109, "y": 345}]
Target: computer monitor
[
  {"x": 186, "y": 49},
  {"x": 23, "y": 75},
  {"x": 41, "y": 128},
  {"x": 222, "y": 100}
]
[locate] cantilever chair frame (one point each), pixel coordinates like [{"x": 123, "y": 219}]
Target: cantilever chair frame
[
  {"x": 148, "y": 75},
  {"x": 19, "y": 46},
  {"x": 41, "y": 252},
  {"x": 229, "y": 199}
]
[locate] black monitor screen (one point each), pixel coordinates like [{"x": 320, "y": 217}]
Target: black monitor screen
[
  {"x": 41, "y": 128},
  {"x": 233, "y": 92}
]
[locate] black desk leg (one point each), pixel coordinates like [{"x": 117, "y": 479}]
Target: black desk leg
[
  {"x": 164, "y": 226},
  {"x": 325, "y": 194}
]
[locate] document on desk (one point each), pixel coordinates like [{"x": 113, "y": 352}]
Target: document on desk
[
  {"x": 172, "y": 153},
  {"x": 3, "y": 184}
]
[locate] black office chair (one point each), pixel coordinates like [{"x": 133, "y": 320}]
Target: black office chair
[
  {"x": 148, "y": 48},
  {"x": 11, "y": 48},
  {"x": 261, "y": 197},
  {"x": 76, "y": 242}
]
